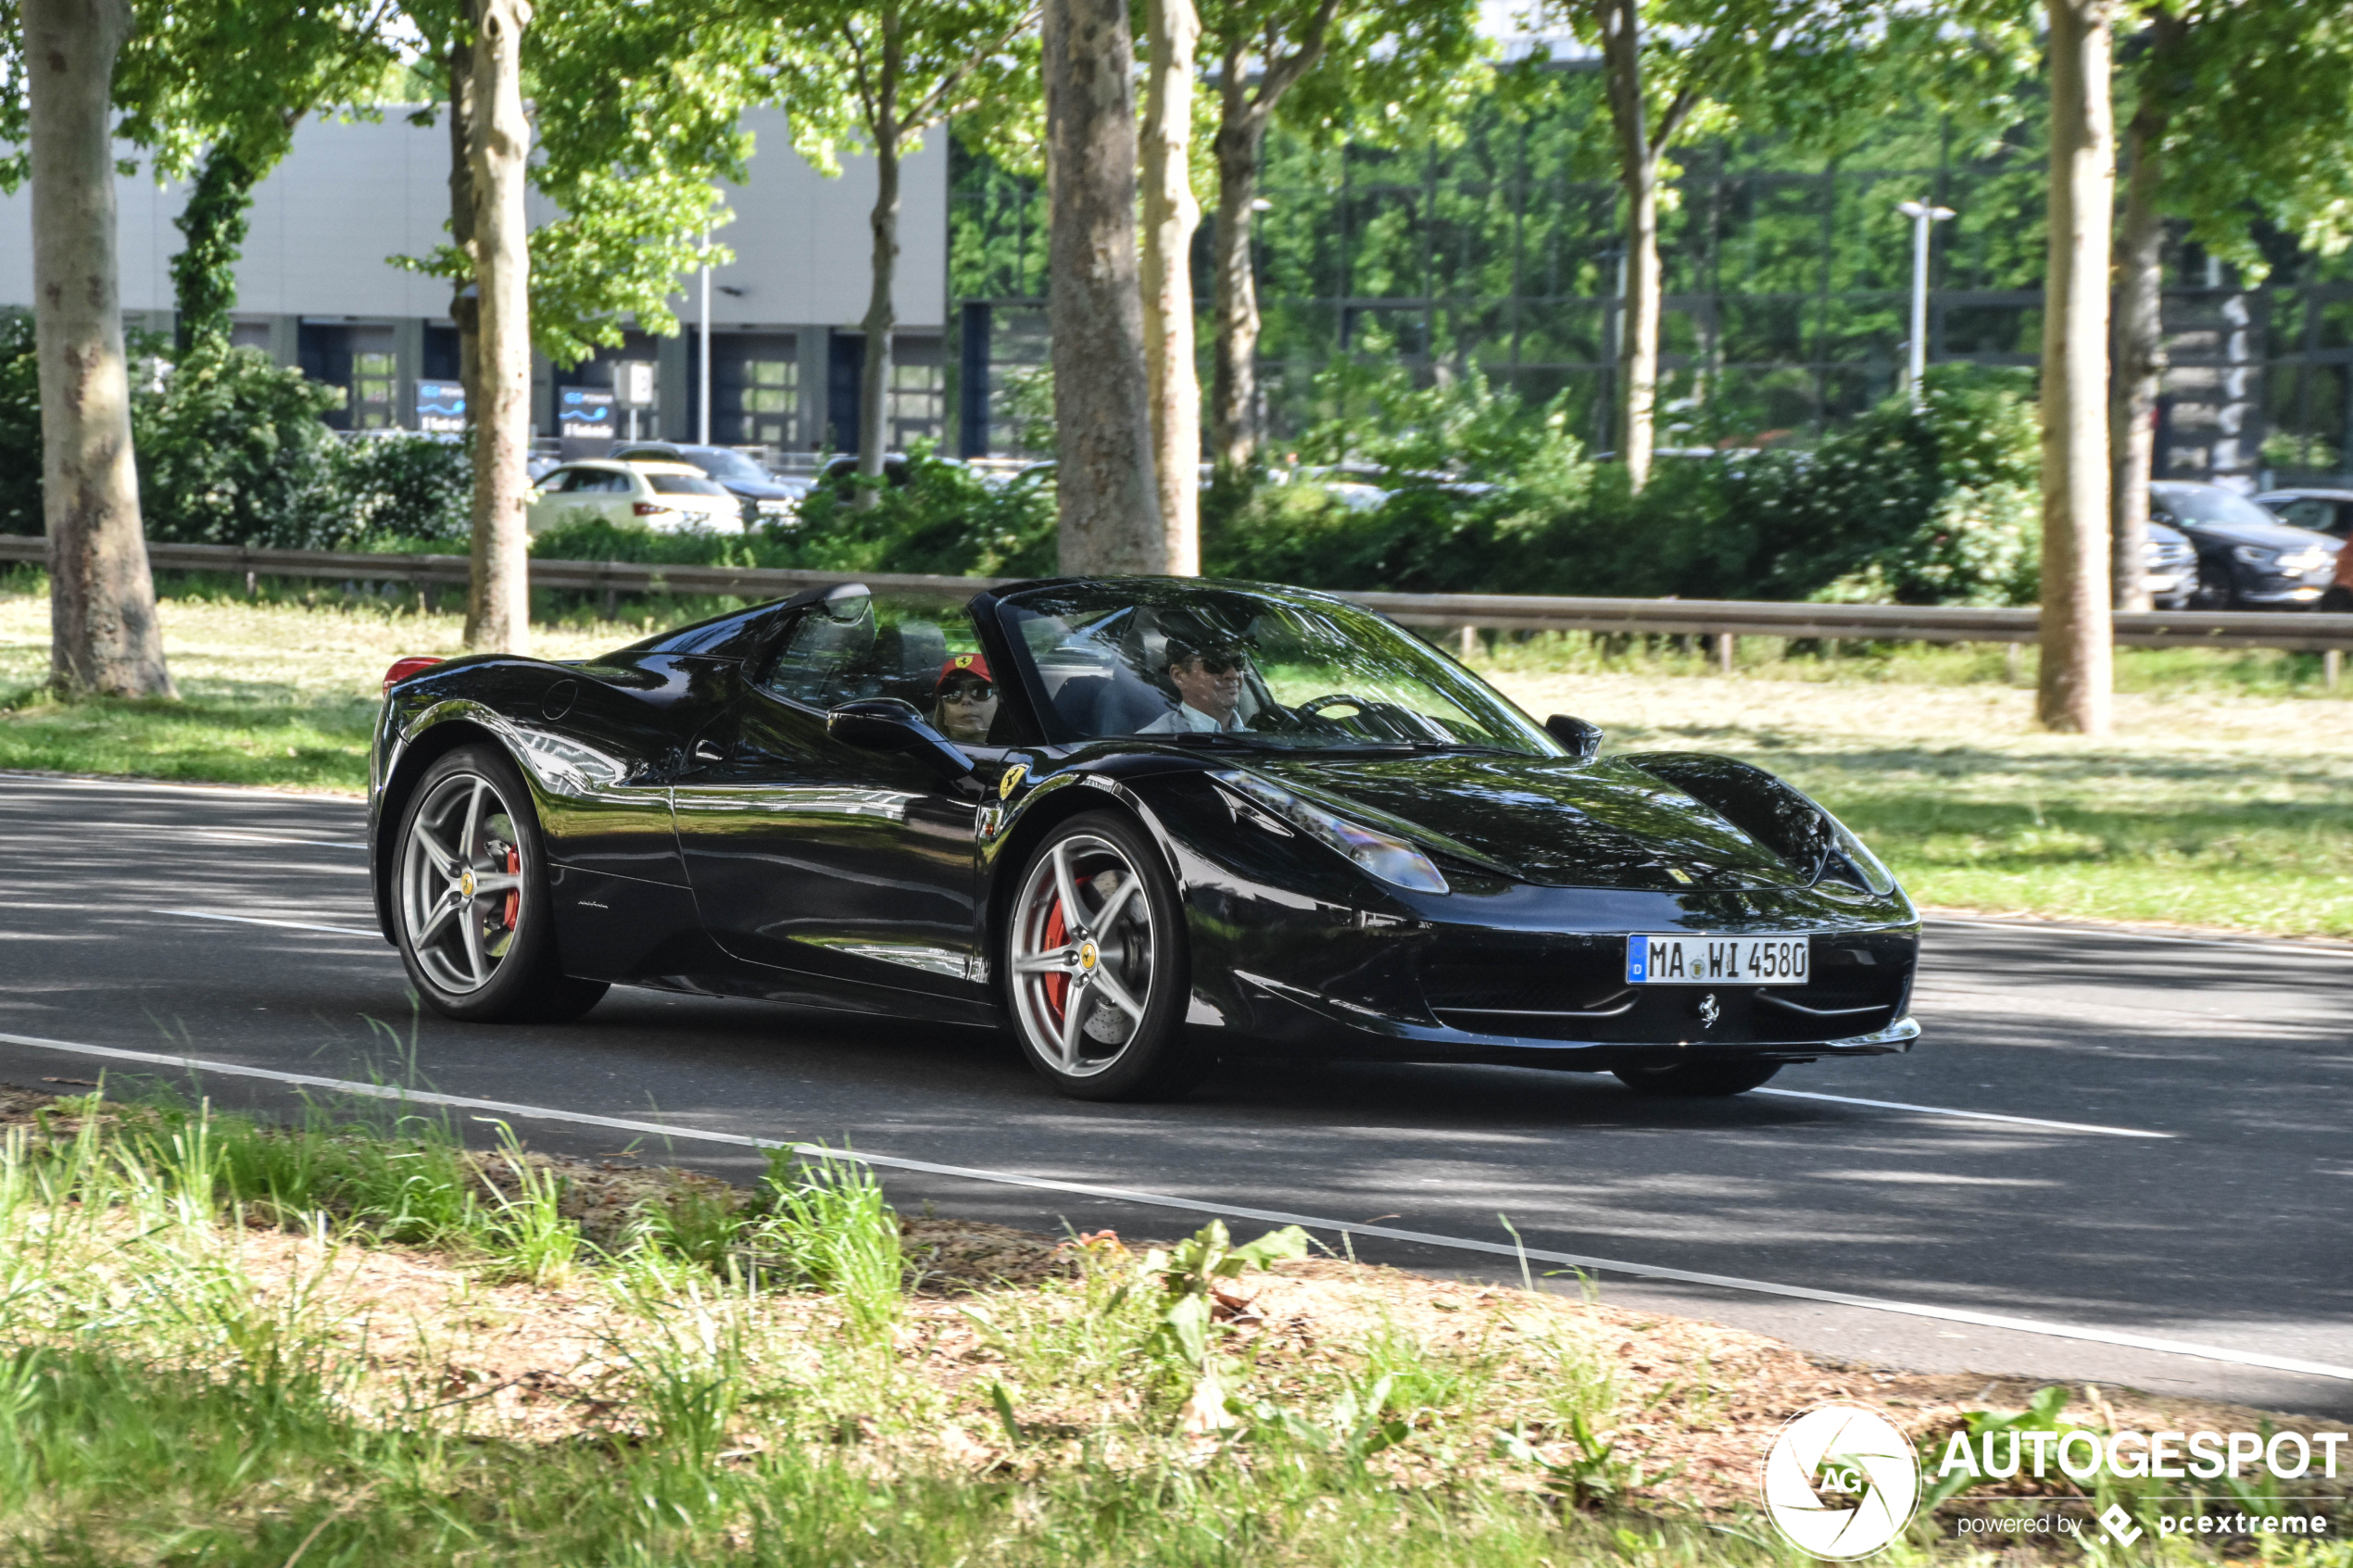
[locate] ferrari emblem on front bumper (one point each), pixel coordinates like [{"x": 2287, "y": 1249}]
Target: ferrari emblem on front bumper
[{"x": 1709, "y": 1012}]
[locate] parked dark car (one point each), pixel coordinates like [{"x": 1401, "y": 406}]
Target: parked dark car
[
  {"x": 763, "y": 494},
  {"x": 1145, "y": 823},
  {"x": 2246, "y": 557},
  {"x": 2322, "y": 511}
]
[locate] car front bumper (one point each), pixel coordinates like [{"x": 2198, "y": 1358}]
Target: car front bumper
[{"x": 1292, "y": 1021}]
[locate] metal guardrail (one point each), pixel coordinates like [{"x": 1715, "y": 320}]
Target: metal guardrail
[{"x": 2297, "y": 631}]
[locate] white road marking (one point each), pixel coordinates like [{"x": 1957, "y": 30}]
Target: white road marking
[
  {"x": 1195, "y": 1206},
  {"x": 243, "y": 837},
  {"x": 1968, "y": 1115},
  {"x": 256, "y": 920},
  {"x": 2316, "y": 950}
]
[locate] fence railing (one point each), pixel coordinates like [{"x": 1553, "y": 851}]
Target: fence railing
[{"x": 2291, "y": 631}]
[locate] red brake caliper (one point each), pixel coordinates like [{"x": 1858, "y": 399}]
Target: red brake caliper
[
  {"x": 1057, "y": 983},
  {"x": 515, "y": 899}
]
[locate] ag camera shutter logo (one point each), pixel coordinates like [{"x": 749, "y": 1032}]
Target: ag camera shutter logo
[{"x": 1840, "y": 1482}]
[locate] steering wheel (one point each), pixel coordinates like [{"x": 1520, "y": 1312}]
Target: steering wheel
[{"x": 1314, "y": 707}]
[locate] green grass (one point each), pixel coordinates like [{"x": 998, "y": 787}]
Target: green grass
[
  {"x": 2233, "y": 840},
  {"x": 170, "y": 1394}
]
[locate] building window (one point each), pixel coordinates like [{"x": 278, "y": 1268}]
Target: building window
[
  {"x": 918, "y": 392},
  {"x": 767, "y": 403},
  {"x": 375, "y": 391}
]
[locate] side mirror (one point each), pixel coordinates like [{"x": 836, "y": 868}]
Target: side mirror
[
  {"x": 1582, "y": 740},
  {"x": 849, "y": 603},
  {"x": 886, "y": 724}
]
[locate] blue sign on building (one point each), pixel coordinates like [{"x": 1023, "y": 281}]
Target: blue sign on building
[
  {"x": 584, "y": 411},
  {"x": 441, "y": 407}
]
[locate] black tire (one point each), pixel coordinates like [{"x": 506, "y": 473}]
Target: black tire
[
  {"x": 2337, "y": 601},
  {"x": 468, "y": 812},
  {"x": 2217, "y": 585},
  {"x": 1697, "y": 1080},
  {"x": 1113, "y": 1028}
]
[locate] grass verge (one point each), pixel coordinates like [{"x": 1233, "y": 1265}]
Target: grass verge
[{"x": 354, "y": 1342}]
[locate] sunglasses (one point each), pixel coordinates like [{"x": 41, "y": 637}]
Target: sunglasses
[
  {"x": 967, "y": 691},
  {"x": 1219, "y": 666}
]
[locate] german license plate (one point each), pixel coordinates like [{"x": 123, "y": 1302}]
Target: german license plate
[{"x": 1717, "y": 960}]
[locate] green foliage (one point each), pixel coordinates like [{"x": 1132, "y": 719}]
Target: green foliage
[
  {"x": 417, "y": 490},
  {"x": 947, "y": 517},
  {"x": 20, "y": 427},
  {"x": 1192, "y": 1274},
  {"x": 231, "y": 452},
  {"x": 1488, "y": 496},
  {"x": 204, "y": 275},
  {"x": 1938, "y": 506},
  {"x": 826, "y": 1227}
]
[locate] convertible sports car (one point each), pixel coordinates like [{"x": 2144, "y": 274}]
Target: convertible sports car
[{"x": 1148, "y": 822}]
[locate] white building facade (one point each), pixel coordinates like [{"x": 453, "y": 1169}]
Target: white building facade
[{"x": 315, "y": 287}]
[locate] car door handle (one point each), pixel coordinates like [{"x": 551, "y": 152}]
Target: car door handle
[{"x": 707, "y": 752}]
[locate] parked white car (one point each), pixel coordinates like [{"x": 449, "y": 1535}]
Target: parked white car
[{"x": 663, "y": 498}]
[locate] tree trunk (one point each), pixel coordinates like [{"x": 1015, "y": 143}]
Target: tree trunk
[
  {"x": 204, "y": 275},
  {"x": 2140, "y": 325},
  {"x": 1110, "y": 516},
  {"x": 1638, "y": 173},
  {"x": 1233, "y": 433},
  {"x": 2076, "y": 693},
  {"x": 464, "y": 297},
  {"x": 105, "y": 638},
  {"x": 499, "y": 608},
  {"x": 873, "y": 386},
  {"x": 1170, "y": 214}
]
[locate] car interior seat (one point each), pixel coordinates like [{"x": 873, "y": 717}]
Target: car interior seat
[{"x": 906, "y": 659}]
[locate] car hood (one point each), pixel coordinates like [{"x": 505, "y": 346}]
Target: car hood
[
  {"x": 2268, "y": 535},
  {"x": 1549, "y": 821}
]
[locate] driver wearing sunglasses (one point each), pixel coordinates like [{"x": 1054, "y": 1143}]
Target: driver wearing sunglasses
[
  {"x": 965, "y": 699},
  {"x": 1209, "y": 691}
]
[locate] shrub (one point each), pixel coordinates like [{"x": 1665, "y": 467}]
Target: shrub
[
  {"x": 231, "y": 452},
  {"x": 412, "y": 488},
  {"x": 1488, "y": 496},
  {"x": 945, "y": 519}
]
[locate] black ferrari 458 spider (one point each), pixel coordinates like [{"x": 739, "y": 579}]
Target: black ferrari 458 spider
[{"x": 1146, "y": 822}]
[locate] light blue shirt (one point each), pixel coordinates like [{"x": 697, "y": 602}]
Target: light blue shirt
[{"x": 1188, "y": 719}]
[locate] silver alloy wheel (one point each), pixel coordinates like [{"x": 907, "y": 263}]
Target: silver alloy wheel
[
  {"x": 461, "y": 883},
  {"x": 1082, "y": 955}
]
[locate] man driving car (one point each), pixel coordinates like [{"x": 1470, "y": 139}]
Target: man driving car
[{"x": 1209, "y": 690}]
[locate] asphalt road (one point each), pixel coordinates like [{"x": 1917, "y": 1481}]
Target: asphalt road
[{"x": 2232, "y": 1230}]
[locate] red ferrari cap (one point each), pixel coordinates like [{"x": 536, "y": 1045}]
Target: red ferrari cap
[{"x": 964, "y": 664}]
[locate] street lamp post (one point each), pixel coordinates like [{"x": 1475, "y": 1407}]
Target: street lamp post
[
  {"x": 702, "y": 370},
  {"x": 1922, "y": 215}
]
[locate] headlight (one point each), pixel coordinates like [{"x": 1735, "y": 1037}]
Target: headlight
[
  {"x": 2309, "y": 560},
  {"x": 2256, "y": 555},
  {"x": 1388, "y": 858}
]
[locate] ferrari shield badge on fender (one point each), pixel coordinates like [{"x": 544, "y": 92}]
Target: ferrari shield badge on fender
[{"x": 1010, "y": 780}]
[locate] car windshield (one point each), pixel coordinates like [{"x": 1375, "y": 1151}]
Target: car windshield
[
  {"x": 720, "y": 464},
  {"x": 683, "y": 484},
  {"x": 1251, "y": 666},
  {"x": 2199, "y": 505}
]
